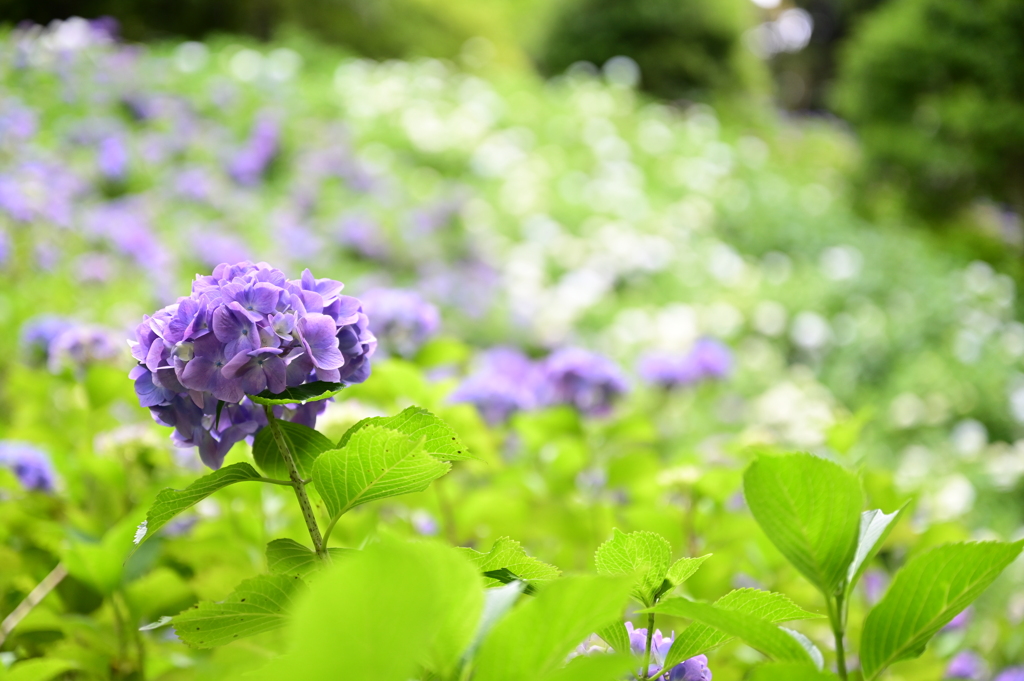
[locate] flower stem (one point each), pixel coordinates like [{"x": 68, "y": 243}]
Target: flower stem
[
  {"x": 836, "y": 615},
  {"x": 298, "y": 485},
  {"x": 644, "y": 672}
]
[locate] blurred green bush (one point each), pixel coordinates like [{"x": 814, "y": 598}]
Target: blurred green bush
[
  {"x": 936, "y": 90},
  {"x": 685, "y": 48}
]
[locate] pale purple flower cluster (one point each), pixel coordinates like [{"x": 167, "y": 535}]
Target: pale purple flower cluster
[
  {"x": 694, "y": 669},
  {"x": 583, "y": 379},
  {"x": 31, "y": 465},
  {"x": 966, "y": 665},
  {"x": 1011, "y": 674},
  {"x": 60, "y": 343},
  {"x": 505, "y": 381},
  {"x": 249, "y": 165},
  {"x": 707, "y": 359},
  {"x": 244, "y": 330},
  {"x": 402, "y": 320}
]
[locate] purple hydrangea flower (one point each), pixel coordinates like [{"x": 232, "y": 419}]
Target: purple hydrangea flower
[
  {"x": 31, "y": 465},
  {"x": 583, "y": 379},
  {"x": 402, "y": 319},
  {"x": 708, "y": 359},
  {"x": 693, "y": 669},
  {"x": 112, "y": 158},
  {"x": 1011, "y": 674},
  {"x": 966, "y": 665},
  {"x": 249, "y": 165},
  {"x": 505, "y": 381},
  {"x": 80, "y": 345},
  {"x": 245, "y": 329}
]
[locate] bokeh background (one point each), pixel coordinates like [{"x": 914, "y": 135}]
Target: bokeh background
[{"x": 791, "y": 225}]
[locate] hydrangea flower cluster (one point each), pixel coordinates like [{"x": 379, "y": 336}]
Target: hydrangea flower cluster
[
  {"x": 60, "y": 343},
  {"x": 707, "y": 359},
  {"x": 966, "y": 665},
  {"x": 694, "y": 669},
  {"x": 243, "y": 330},
  {"x": 586, "y": 380},
  {"x": 31, "y": 465},
  {"x": 1011, "y": 674},
  {"x": 402, "y": 320}
]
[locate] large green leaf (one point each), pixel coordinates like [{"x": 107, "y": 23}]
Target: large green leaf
[
  {"x": 875, "y": 527},
  {"x": 256, "y": 605},
  {"x": 684, "y": 568},
  {"x": 755, "y": 631},
  {"x": 375, "y": 463},
  {"x": 928, "y": 592},
  {"x": 38, "y": 669},
  {"x": 305, "y": 444},
  {"x": 508, "y": 554},
  {"x": 534, "y": 639},
  {"x": 171, "y": 502},
  {"x": 810, "y": 509},
  {"x": 644, "y": 555},
  {"x": 700, "y": 638},
  {"x": 616, "y": 635},
  {"x": 307, "y": 392},
  {"x": 439, "y": 439},
  {"x": 289, "y": 557}
]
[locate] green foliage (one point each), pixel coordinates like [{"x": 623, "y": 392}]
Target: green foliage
[
  {"x": 777, "y": 643},
  {"x": 375, "y": 463},
  {"x": 925, "y": 596},
  {"x": 289, "y": 557},
  {"x": 935, "y": 89},
  {"x": 810, "y": 508},
  {"x": 508, "y": 554},
  {"x": 875, "y": 527},
  {"x": 257, "y": 605},
  {"x": 304, "y": 443},
  {"x": 700, "y": 638},
  {"x": 171, "y": 502},
  {"x": 39, "y": 669},
  {"x": 643, "y": 555},
  {"x": 683, "y": 48},
  {"x": 307, "y": 392},
  {"x": 534, "y": 639},
  {"x": 439, "y": 439}
]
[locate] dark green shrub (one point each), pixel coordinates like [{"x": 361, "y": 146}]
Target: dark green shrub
[
  {"x": 936, "y": 90},
  {"x": 683, "y": 47}
]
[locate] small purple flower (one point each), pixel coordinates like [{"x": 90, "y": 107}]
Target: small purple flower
[
  {"x": 583, "y": 379},
  {"x": 707, "y": 359},
  {"x": 31, "y": 465},
  {"x": 961, "y": 620},
  {"x": 505, "y": 381},
  {"x": 249, "y": 165},
  {"x": 112, "y": 158},
  {"x": 403, "y": 321},
  {"x": 1011, "y": 674},
  {"x": 966, "y": 665},
  {"x": 424, "y": 523},
  {"x": 244, "y": 329},
  {"x": 81, "y": 345},
  {"x": 693, "y": 669},
  {"x": 38, "y": 333}
]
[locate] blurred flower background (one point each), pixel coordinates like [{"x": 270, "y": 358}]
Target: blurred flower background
[{"x": 620, "y": 244}]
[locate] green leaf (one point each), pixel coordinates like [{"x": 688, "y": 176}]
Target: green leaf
[
  {"x": 307, "y": 392},
  {"x": 534, "y": 639},
  {"x": 616, "y": 636},
  {"x": 930, "y": 590},
  {"x": 875, "y": 527},
  {"x": 439, "y": 439},
  {"x": 808, "y": 645},
  {"x": 755, "y": 631},
  {"x": 256, "y": 605},
  {"x": 684, "y": 568},
  {"x": 375, "y": 463},
  {"x": 810, "y": 509},
  {"x": 289, "y": 557},
  {"x": 789, "y": 671},
  {"x": 171, "y": 502},
  {"x": 305, "y": 443},
  {"x": 700, "y": 638},
  {"x": 645, "y": 555},
  {"x": 612, "y": 667},
  {"x": 508, "y": 554},
  {"x": 38, "y": 669}
]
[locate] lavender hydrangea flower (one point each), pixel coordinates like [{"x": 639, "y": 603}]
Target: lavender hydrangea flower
[
  {"x": 966, "y": 665},
  {"x": 31, "y": 465},
  {"x": 708, "y": 359},
  {"x": 583, "y": 379},
  {"x": 505, "y": 381},
  {"x": 245, "y": 329},
  {"x": 693, "y": 669},
  {"x": 81, "y": 345},
  {"x": 402, "y": 319},
  {"x": 38, "y": 333},
  {"x": 112, "y": 158},
  {"x": 1011, "y": 674},
  {"x": 249, "y": 165}
]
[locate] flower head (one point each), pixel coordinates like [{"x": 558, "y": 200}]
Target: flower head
[
  {"x": 38, "y": 333},
  {"x": 244, "y": 329},
  {"x": 505, "y": 381},
  {"x": 402, "y": 319},
  {"x": 583, "y": 379},
  {"x": 966, "y": 665},
  {"x": 1011, "y": 674},
  {"x": 707, "y": 359},
  {"x": 31, "y": 465},
  {"x": 693, "y": 669}
]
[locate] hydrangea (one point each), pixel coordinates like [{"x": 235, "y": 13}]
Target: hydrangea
[
  {"x": 38, "y": 333},
  {"x": 80, "y": 345},
  {"x": 251, "y": 162},
  {"x": 961, "y": 620},
  {"x": 402, "y": 319},
  {"x": 966, "y": 665},
  {"x": 31, "y": 465},
  {"x": 1011, "y": 674},
  {"x": 693, "y": 669},
  {"x": 583, "y": 379},
  {"x": 245, "y": 329},
  {"x": 707, "y": 359},
  {"x": 505, "y": 381}
]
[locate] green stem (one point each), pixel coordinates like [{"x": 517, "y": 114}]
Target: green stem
[
  {"x": 647, "y": 647},
  {"x": 836, "y": 615},
  {"x": 286, "y": 483},
  {"x": 298, "y": 485}
]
